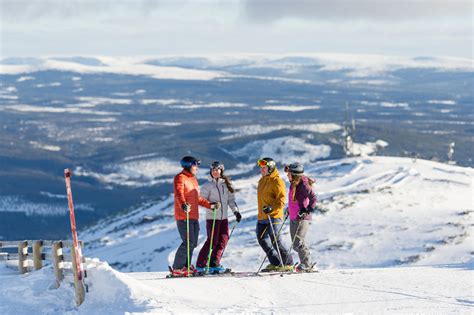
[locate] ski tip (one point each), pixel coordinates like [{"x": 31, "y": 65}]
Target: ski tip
[{"x": 67, "y": 172}]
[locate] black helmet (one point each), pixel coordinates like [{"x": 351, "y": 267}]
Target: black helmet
[
  {"x": 294, "y": 168},
  {"x": 267, "y": 161},
  {"x": 188, "y": 161},
  {"x": 216, "y": 165}
]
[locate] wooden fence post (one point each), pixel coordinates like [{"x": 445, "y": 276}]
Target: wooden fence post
[
  {"x": 78, "y": 284},
  {"x": 57, "y": 259},
  {"x": 38, "y": 255},
  {"x": 23, "y": 257}
]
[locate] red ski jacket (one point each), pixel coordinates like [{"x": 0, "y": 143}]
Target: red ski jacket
[{"x": 186, "y": 189}]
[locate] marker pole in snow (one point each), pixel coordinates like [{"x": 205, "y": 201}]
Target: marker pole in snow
[
  {"x": 275, "y": 238},
  {"x": 212, "y": 240},
  {"x": 77, "y": 249},
  {"x": 278, "y": 235},
  {"x": 187, "y": 239}
]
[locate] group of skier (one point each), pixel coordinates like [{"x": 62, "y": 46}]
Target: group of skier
[{"x": 217, "y": 196}]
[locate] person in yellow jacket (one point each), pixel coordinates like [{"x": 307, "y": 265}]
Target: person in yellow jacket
[{"x": 271, "y": 199}]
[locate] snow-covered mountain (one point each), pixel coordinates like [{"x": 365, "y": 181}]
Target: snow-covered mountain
[{"x": 379, "y": 212}]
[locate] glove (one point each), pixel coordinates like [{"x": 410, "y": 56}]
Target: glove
[
  {"x": 238, "y": 216},
  {"x": 186, "y": 207},
  {"x": 267, "y": 209},
  {"x": 302, "y": 213},
  {"x": 215, "y": 206}
]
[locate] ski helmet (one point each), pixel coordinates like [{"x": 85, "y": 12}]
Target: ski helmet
[
  {"x": 188, "y": 161},
  {"x": 267, "y": 161},
  {"x": 294, "y": 168},
  {"x": 217, "y": 164}
]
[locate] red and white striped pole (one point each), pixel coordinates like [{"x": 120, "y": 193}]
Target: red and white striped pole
[{"x": 77, "y": 248}]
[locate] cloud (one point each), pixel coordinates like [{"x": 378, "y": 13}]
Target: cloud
[
  {"x": 38, "y": 9},
  {"x": 376, "y": 10}
]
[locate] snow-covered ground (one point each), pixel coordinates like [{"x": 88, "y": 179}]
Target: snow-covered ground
[
  {"x": 396, "y": 237},
  {"x": 434, "y": 289}
]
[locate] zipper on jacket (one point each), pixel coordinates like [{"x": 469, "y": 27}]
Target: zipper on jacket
[{"x": 220, "y": 199}]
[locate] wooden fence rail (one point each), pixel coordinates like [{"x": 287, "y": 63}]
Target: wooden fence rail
[{"x": 56, "y": 257}]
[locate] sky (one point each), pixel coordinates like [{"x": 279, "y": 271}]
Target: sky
[{"x": 159, "y": 27}]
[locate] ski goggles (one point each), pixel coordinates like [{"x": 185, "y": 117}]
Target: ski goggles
[{"x": 263, "y": 163}]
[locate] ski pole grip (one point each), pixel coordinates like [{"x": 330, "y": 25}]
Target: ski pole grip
[{"x": 67, "y": 173}]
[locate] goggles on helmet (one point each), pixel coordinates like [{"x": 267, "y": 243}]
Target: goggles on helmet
[{"x": 262, "y": 163}]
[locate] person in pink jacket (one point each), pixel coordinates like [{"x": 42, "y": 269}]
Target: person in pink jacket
[{"x": 301, "y": 203}]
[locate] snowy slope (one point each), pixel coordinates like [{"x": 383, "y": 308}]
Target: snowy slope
[
  {"x": 436, "y": 289},
  {"x": 382, "y": 212},
  {"x": 396, "y": 238}
]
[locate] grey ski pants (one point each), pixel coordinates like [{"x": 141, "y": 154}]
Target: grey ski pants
[
  {"x": 299, "y": 245},
  {"x": 181, "y": 257}
]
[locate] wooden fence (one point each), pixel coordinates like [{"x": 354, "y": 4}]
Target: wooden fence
[{"x": 34, "y": 258}]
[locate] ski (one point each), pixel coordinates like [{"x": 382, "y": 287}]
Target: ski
[{"x": 77, "y": 249}]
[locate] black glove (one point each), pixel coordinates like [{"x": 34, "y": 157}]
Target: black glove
[
  {"x": 267, "y": 209},
  {"x": 215, "y": 206},
  {"x": 238, "y": 216},
  {"x": 186, "y": 207},
  {"x": 302, "y": 213}
]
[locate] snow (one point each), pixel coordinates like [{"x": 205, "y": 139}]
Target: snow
[
  {"x": 58, "y": 110},
  {"x": 288, "y": 108},
  {"x": 135, "y": 173},
  {"x": 47, "y": 147},
  {"x": 10, "y": 203},
  {"x": 358, "y": 66},
  {"x": 293, "y": 148},
  {"x": 430, "y": 289},
  {"x": 117, "y": 65},
  {"x": 252, "y": 130},
  {"x": 442, "y": 102}
]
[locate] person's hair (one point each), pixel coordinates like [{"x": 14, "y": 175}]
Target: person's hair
[
  {"x": 227, "y": 183},
  {"x": 295, "y": 181}
]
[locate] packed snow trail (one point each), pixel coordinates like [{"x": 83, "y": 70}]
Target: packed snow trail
[{"x": 426, "y": 289}]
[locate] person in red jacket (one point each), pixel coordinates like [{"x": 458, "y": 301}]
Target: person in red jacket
[{"x": 186, "y": 204}]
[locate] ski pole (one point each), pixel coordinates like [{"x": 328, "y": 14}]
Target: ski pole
[
  {"x": 231, "y": 231},
  {"x": 265, "y": 258},
  {"x": 293, "y": 241},
  {"x": 212, "y": 240},
  {"x": 276, "y": 240},
  {"x": 187, "y": 236}
]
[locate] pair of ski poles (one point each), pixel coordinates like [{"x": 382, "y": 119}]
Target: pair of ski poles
[{"x": 275, "y": 238}]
